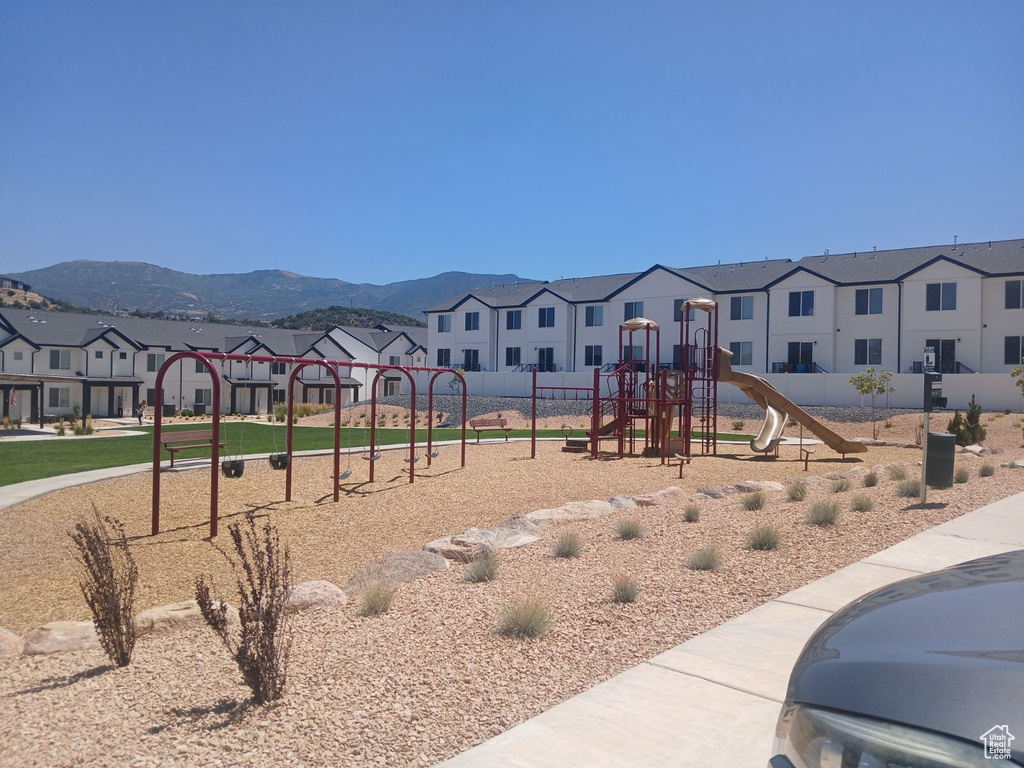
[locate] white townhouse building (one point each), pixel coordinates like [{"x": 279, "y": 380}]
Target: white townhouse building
[
  {"x": 828, "y": 314},
  {"x": 52, "y": 361}
]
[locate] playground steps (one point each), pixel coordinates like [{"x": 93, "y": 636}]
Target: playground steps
[{"x": 576, "y": 446}]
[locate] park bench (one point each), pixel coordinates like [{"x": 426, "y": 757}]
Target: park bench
[
  {"x": 484, "y": 425},
  {"x": 196, "y": 438}
]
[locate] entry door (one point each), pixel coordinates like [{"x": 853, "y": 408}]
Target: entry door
[
  {"x": 945, "y": 354},
  {"x": 801, "y": 354},
  {"x": 546, "y": 359},
  {"x": 471, "y": 360}
]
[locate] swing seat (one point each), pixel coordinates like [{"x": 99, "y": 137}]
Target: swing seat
[
  {"x": 345, "y": 475},
  {"x": 414, "y": 459},
  {"x": 279, "y": 460},
  {"x": 232, "y": 468},
  {"x": 371, "y": 458}
]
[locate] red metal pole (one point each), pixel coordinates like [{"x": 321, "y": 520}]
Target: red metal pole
[
  {"x": 533, "y": 418},
  {"x": 595, "y": 415},
  {"x": 430, "y": 417},
  {"x": 288, "y": 433},
  {"x": 412, "y": 427},
  {"x": 465, "y": 394},
  {"x": 337, "y": 435},
  {"x": 373, "y": 422}
]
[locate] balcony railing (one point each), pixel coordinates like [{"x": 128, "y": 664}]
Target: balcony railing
[
  {"x": 797, "y": 368},
  {"x": 953, "y": 366}
]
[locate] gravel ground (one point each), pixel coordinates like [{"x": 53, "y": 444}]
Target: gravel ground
[{"x": 430, "y": 678}]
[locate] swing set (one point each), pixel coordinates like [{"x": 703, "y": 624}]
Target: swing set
[{"x": 233, "y": 465}]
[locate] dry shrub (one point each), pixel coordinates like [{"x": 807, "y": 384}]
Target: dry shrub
[
  {"x": 796, "y": 491},
  {"x": 691, "y": 514},
  {"x": 961, "y": 476},
  {"x": 908, "y": 489},
  {"x": 986, "y": 470},
  {"x": 568, "y": 545},
  {"x": 109, "y": 583},
  {"x": 525, "y": 618},
  {"x": 823, "y": 513},
  {"x": 753, "y": 501},
  {"x": 629, "y": 529},
  {"x": 871, "y": 479},
  {"x": 482, "y": 568},
  {"x": 624, "y": 589},
  {"x": 705, "y": 559},
  {"x": 896, "y": 472},
  {"x": 861, "y": 503},
  {"x": 840, "y": 486},
  {"x": 764, "y": 538},
  {"x": 376, "y": 598},
  {"x": 263, "y": 577}
]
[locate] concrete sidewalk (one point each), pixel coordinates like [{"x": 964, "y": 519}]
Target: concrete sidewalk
[{"x": 714, "y": 700}]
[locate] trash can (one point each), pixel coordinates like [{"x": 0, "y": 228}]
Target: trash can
[{"x": 941, "y": 452}]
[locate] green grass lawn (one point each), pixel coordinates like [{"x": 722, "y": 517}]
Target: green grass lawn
[{"x": 21, "y": 461}]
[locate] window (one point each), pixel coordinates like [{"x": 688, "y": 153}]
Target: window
[
  {"x": 98, "y": 354},
  {"x": 867, "y": 352},
  {"x": 205, "y": 396},
  {"x": 513, "y": 356},
  {"x": 18, "y": 355},
  {"x": 633, "y": 309},
  {"x": 1014, "y": 348},
  {"x": 444, "y": 323},
  {"x": 546, "y": 317},
  {"x": 742, "y": 352},
  {"x": 868, "y": 301},
  {"x": 444, "y": 358},
  {"x": 200, "y": 368},
  {"x": 278, "y": 369},
  {"x": 154, "y": 361},
  {"x": 595, "y": 316},
  {"x": 1013, "y": 294},
  {"x": 592, "y": 355},
  {"x": 327, "y": 398},
  {"x": 801, "y": 303},
  {"x": 635, "y": 352},
  {"x": 471, "y": 360},
  {"x": 394, "y": 359},
  {"x": 546, "y": 359},
  {"x": 60, "y": 359},
  {"x": 279, "y": 395},
  {"x": 940, "y": 297},
  {"x": 151, "y": 396},
  {"x": 472, "y": 321},
  {"x": 122, "y": 355},
  {"x": 742, "y": 307},
  {"x": 677, "y": 311},
  {"x": 514, "y": 320},
  {"x": 60, "y": 397}
]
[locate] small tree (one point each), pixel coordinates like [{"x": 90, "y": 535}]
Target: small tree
[
  {"x": 968, "y": 431},
  {"x": 455, "y": 383},
  {"x": 873, "y": 383},
  {"x": 1018, "y": 374},
  {"x": 263, "y": 575},
  {"x": 109, "y": 583}
]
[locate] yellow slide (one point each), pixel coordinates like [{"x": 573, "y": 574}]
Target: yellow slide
[{"x": 777, "y": 407}]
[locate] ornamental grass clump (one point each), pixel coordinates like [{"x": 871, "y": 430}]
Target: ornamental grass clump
[
  {"x": 263, "y": 577},
  {"x": 908, "y": 488},
  {"x": 961, "y": 475},
  {"x": 840, "y": 486},
  {"x": 524, "y": 618},
  {"x": 823, "y": 513},
  {"x": 691, "y": 514},
  {"x": 628, "y": 530},
  {"x": 753, "y": 501},
  {"x": 986, "y": 470},
  {"x": 861, "y": 503},
  {"x": 376, "y": 598},
  {"x": 482, "y": 568},
  {"x": 568, "y": 545},
  {"x": 871, "y": 479},
  {"x": 896, "y": 472},
  {"x": 764, "y": 538},
  {"x": 796, "y": 491},
  {"x": 108, "y": 583},
  {"x": 624, "y": 589},
  {"x": 705, "y": 559}
]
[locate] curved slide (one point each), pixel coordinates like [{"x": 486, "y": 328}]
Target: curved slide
[{"x": 778, "y": 408}]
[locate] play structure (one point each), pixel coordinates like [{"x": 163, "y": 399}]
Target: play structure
[
  {"x": 233, "y": 466},
  {"x": 676, "y": 407}
]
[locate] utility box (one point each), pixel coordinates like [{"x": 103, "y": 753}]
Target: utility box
[
  {"x": 168, "y": 410},
  {"x": 938, "y": 471}
]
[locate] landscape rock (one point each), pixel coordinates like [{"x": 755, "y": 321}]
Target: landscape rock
[
  {"x": 622, "y": 502},
  {"x": 10, "y": 643},
  {"x": 977, "y": 450},
  {"x": 670, "y": 495},
  {"x": 574, "y": 510},
  {"x": 315, "y": 594},
  {"x": 60, "y": 636},
  {"x": 174, "y": 616},
  {"x": 396, "y": 568},
  {"x": 717, "y": 493},
  {"x": 1015, "y": 464},
  {"x": 699, "y": 497},
  {"x": 517, "y": 531},
  {"x": 749, "y": 486},
  {"x": 841, "y": 475},
  {"x": 461, "y": 549}
]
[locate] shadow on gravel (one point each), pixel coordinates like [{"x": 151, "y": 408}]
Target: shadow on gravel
[
  {"x": 52, "y": 683},
  {"x": 220, "y": 715},
  {"x": 146, "y": 539},
  {"x": 929, "y": 505}
]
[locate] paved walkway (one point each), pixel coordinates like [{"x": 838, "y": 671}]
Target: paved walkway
[{"x": 714, "y": 700}]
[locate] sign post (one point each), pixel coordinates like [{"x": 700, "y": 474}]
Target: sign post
[{"x": 932, "y": 399}]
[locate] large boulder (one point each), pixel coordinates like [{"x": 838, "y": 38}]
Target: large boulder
[
  {"x": 315, "y": 594},
  {"x": 574, "y": 510},
  {"x": 461, "y": 549},
  {"x": 622, "y": 502},
  {"x": 716, "y": 493},
  {"x": 60, "y": 636},
  {"x": 174, "y": 616},
  {"x": 749, "y": 486},
  {"x": 10, "y": 643},
  {"x": 396, "y": 568}
]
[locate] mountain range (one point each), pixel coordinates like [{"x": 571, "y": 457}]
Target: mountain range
[{"x": 260, "y": 295}]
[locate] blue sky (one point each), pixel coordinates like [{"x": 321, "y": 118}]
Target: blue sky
[{"x": 380, "y": 141}]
